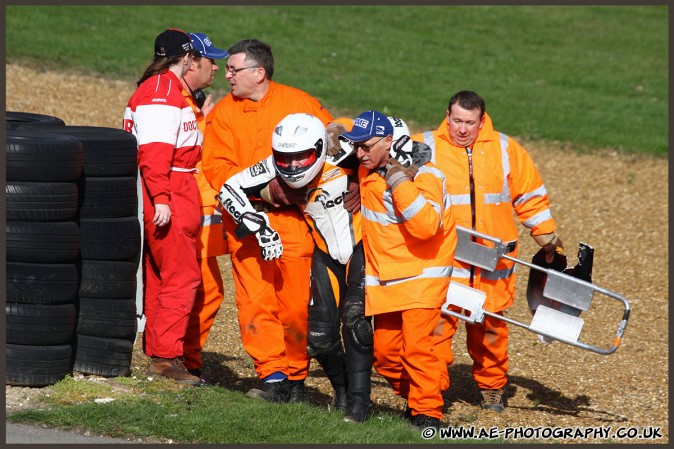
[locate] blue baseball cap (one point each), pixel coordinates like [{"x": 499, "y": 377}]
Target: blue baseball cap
[
  {"x": 205, "y": 47},
  {"x": 369, "y": 124}
]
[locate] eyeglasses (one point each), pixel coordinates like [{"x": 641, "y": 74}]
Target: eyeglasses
[
  {"x": 356, "y": 145},
  {"x": 232, "y": 71}
]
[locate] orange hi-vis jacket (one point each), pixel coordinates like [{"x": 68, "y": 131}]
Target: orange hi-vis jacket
[
  {"x": 210, "y": 240},
  {"x": 409, "y": 241},
  {"x": 241, "y": 137},
  {"x": 505, "y": 183}
]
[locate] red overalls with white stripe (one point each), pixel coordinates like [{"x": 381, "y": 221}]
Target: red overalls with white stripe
[{"x": 169, "y": 145}]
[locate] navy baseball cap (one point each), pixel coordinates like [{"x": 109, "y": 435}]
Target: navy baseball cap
[
  {"x": 172, "y": 42},
  {"x": 369, "y": 124},
  {"x": 205, "y": 47}
]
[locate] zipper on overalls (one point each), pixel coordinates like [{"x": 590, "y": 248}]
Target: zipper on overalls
[{"x": 471, "y": 182}]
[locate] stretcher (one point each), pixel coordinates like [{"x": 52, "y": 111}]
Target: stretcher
[{"x": 557, "y": 317}]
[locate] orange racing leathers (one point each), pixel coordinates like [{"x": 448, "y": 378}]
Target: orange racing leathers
[
  {"x": 337, "y": 273},
  {"x": 271, "y": 296},
  {"x": 505, "y": 183},
  {"x": 169, "y": 143},
  {"x": 210, "y": 244},
  {"x": 409, "y": 239}
]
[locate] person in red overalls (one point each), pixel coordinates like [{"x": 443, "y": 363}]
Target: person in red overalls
[{"x": 169, "y": 146}]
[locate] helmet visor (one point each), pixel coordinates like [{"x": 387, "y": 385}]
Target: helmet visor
[{"x": 295, "y": 162}]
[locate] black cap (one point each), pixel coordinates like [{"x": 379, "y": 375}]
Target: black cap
[{"x": 172, "y": 42}]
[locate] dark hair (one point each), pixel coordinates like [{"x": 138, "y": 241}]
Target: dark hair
[
  {"x": 468, "y": 100},
  {"x": 158, "y": 65},
  {"x": 256, "y": 51}
]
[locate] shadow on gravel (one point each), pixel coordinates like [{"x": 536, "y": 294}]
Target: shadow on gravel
[
  {"x": 218, "y": 373},
  {"x": 463, "y": 389}
]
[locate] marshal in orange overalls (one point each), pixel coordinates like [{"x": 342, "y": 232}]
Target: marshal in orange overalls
[
  {"x": 409, "y": 238},
  {"x": 506, "y": 184},
  {"x": 210, "y": 244},
  {"x": 272, "y": 297}
]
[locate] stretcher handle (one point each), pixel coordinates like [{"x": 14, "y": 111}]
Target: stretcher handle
[
  {"x": 466, "y": 318},
  {"x": 500, "y": 247},
  {"x": 616, "y": 341},
  {"x": 480, "y": 235}
]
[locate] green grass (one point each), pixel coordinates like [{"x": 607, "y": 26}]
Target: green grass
[
  {"x": 593, "y": 76},
  {"x": 161, "y": 410}
]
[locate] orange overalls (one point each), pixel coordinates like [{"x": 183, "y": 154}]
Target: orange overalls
[
  {"x": 210, "y": 244},
  {"x": 409, "y": 239},
  {"x": 272, "y": 297},
  {"x": 506, "y": 182}
]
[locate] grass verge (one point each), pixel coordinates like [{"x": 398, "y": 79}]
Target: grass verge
[{"x": 159, "y": 409}]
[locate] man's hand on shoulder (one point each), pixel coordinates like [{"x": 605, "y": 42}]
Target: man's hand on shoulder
[{"x": 278, "y": 193}]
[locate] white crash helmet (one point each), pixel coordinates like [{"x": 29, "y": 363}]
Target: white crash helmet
[
  {"x": 294, "y": 136},
  {"x": 401, "y": 149}
]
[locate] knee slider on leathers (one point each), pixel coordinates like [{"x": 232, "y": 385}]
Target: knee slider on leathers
[
  {"x": 323, "y": 336},
  {"x": 357, "y": 327}
]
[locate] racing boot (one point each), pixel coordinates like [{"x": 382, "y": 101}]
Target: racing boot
[
  {"x": 335, "y": 369},
  {"x": 359, "y": 360},
  {"x": 357, "y": 407},
  {"x": 338, "y": 399}
]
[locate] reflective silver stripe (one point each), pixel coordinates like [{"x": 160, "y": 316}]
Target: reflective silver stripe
[
  {"x": 208, "y": 220},
  {"x": 461, "y": 273},
  {"x": 428, "y": 273},
  {"x": 539, "y": 192},
  {"x": 498, "y": 274},
  {"x": 446, "y": 199},
  {"x": 432, "y": 170},
  {"x": 379, "y": 217},
  {"x": 429, "y": 139},
  {"x": 459, "y": 200},
  {"x": 493, "y": 198},
  {"x": 505, "y": 159},
  {"x": 505, "y": 162},
  {"x": 414, "y": 208},
  {"x": 185, "y": 170},
  {"x": 419, "y": 202},
  {"x": 437, "y": 208},
  {"x": 498, "y": 198},
  {"x": 538, "y": 218}
]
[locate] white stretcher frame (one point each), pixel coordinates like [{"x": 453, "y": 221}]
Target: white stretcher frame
[{"x": 561, "y": 287}]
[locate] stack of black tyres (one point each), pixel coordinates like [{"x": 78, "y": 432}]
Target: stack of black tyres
[
  {"x": 109, "y": 243},
  {"x": 42, "y": 249},
  {"x": 73, "y": 249}
]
